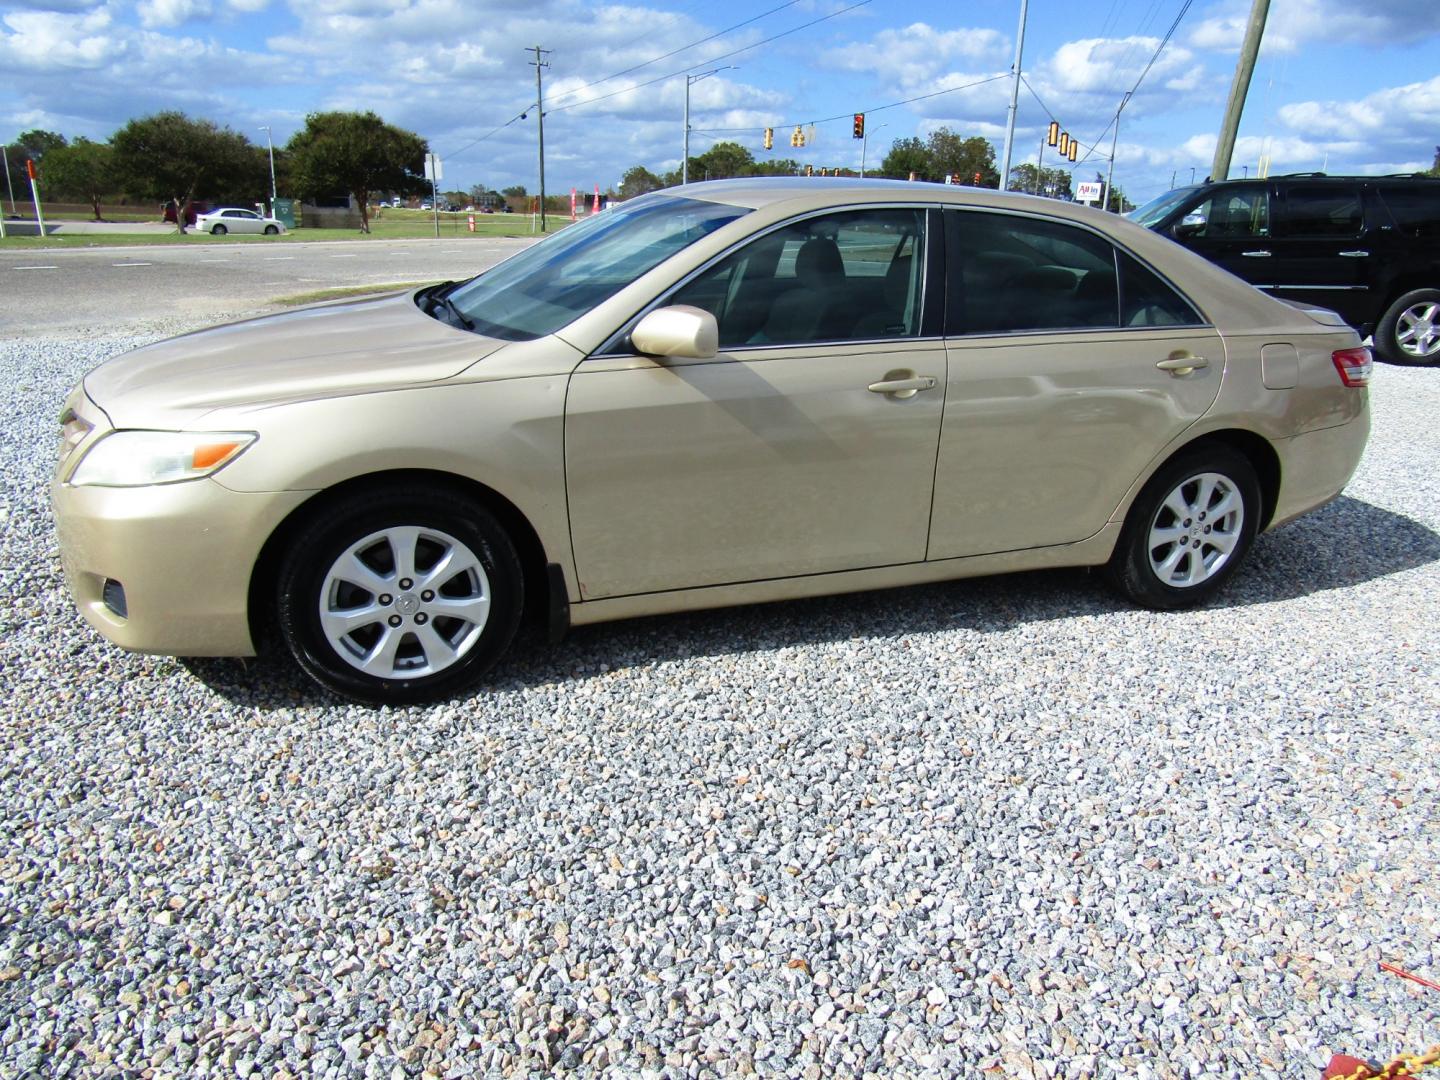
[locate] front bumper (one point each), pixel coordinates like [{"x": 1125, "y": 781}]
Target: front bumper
[{"x": 184, "y": 554}]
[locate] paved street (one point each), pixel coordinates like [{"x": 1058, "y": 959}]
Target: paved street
[{"x": 102, "y": 288}]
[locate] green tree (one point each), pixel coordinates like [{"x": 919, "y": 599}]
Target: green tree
[
  {"x": 776, "y": 167},
  {"x": 170, "y": 157},
  {"x": 83, "y": 170},
  {"x": 639, "y": 180},
  {"x": 33, "y": 145},
  {"x": 355, "y": 153},
  {"x": 1435, "y": 169},
  {"x": 962, "y": 158},
  {"x": 1052, "y": 182},
  {"x": 721, "y": 162},
  {"x": 907, "y": 156}
]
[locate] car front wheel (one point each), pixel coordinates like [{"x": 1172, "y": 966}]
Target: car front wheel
[
  {"x": 1409, "y": 332},
  {"x": 400, "y": 596},
  {"x": 271, "y": 230},
  {"x": 1188, "y": 530},
  {"x": 218, "y": 230}
]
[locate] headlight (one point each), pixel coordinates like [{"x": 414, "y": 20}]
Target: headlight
[{"x": 138, "y": 458}]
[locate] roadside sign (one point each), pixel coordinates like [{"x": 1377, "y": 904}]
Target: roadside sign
[
  {"x": 434, "y": 169},
  {"x": 1089, "y": 191}
]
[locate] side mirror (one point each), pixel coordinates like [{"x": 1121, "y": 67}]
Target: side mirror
[
  {"x": 681, "y": 330},
  {"x": 1189, "y": 225}
]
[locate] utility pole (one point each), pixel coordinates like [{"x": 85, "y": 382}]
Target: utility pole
[
  {"x": 1244, "y": 69},
  {"x": 540, "y": 123},
  {"x": 1114, "y": 141},
  {"x": 1014, "y": 100}
]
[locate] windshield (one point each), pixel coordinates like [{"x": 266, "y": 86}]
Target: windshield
[
  {"x": 1156, "y": 209},
  {"x": 551, "y": 284}
]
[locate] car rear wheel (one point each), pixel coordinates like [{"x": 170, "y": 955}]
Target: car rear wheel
[
  {"x": 1409, "y": 332},
  {"x": 271, "y": 230},
  {"x": 218, "y": 230},
  {"x": 1188, "y": 531},
  {"x": 400, "y": 596}
]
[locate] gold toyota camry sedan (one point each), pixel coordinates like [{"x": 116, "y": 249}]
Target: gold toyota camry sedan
[{"x": 725, "y": 393}]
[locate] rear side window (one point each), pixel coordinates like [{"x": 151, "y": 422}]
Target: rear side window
[
  {"x": 1009, "y": 274},
  {"x": 1415, "y": 210},
  {"x": 1318, "y": 210}
]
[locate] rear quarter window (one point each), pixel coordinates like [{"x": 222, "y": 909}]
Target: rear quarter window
[
  {"x": 1414, "y": 210},
  {"x": 1318, "y": 211}
]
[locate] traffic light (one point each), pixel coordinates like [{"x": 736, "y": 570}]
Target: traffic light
[
  {"x": 769, "y": 138},
  {"x": 797, "y": 137},
  {"x": 1053, "y": 136},
  {"x": 809, "y": 169},
  {"x": 977, "y": 179},
  {"x": 1074, "y": 147},
  {"x": 859, "y": 129},
  {"x": 1064, "y": 143}
]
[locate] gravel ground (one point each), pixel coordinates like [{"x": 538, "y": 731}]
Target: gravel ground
[{"x": 1008, "y": 825}]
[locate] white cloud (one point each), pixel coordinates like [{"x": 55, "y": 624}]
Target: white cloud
[
  {"x": 42, "y": 41},
  {"x": 1293, "y": 23},
  {"x": 172, "y": 12},
  {"x": 1412, "y": 107},
  {"x": 919, "y": 53}
]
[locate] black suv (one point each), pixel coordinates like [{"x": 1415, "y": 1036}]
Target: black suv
[{"x": 1367, "y": 247}]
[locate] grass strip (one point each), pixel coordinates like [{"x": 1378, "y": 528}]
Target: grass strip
[{"x": 347, "y": 291}]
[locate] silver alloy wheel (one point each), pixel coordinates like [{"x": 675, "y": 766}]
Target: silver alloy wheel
[
  {"x": 1195, "y": 530},
  {"x": 1417, "y": 330},
  {"x": 405, "y": 602}
]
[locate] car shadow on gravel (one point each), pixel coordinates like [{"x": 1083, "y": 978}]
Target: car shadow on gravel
[{"x": 1346, "y": 543}]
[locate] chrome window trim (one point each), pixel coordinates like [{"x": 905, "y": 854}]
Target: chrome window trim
[
  {"x": 606, "y": 347},
  {"x": 1116, "y": 246}
]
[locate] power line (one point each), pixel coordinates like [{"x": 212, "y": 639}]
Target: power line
[
  {"x": 713, "y": 59},
  {"x": 867, "y": 111},
  {"x": 682, "y": 48}
]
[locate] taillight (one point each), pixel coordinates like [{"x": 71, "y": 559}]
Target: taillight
[{"x": 1354, "y": 366}]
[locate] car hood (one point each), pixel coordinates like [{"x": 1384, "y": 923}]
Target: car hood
[{"x": 328, "y": 350}]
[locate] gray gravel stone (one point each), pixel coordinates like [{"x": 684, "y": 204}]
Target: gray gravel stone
[{"x": 1005, "y": 824}]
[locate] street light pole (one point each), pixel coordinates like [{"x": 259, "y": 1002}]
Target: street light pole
[
  {"x": 274, "y": 194},
  {"x": 865, "y": 144},
  {"x": 1014, "y": 100},
  {"x": 689, "y": 79}
]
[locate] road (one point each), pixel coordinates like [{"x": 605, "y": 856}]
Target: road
[{"x": 55, "y": 291}]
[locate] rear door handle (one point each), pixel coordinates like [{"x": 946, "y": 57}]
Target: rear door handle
[
  {"x": 1354, "y": 254},
  {"x": 903, "y": 388},
  {"x": 1182, "y": 365},
  {"x": 1256, "y": 254}
]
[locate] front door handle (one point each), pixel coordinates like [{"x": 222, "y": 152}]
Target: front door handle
[
  {"x": 1256, "y": 254},
  {"x": 1182, "y": 365},
  {"x": 1354, "y": 254},
  {"x": 903, "y": 387}
]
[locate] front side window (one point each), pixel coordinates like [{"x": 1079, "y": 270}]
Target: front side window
[
  {"x": 1319, "y": 210},
  {"x": 1009, "y": 273},
  {"x": 1228, "y": 214},
  {"x": 851, "y": 276},
  {"x": 559, "y": 279}
]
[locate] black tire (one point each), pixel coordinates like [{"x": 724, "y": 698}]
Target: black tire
[
  {"x": 218, "y": 230},
  {"x": 272, "y": 230},
  {"x": 1132, "y": 568},
  {"x": 1388, "y": 329},
  {"x": 443, "y": 516}
]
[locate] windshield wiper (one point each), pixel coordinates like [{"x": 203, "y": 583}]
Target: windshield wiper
[
  {"x": 439, "y": 296},
  {"x": 449, "y": 305}
]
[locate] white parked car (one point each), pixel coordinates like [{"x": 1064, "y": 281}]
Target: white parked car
[{"x": 231, "y": 219}]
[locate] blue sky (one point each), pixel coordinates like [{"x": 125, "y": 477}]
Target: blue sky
[{"x": 1346, "y": 86}]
